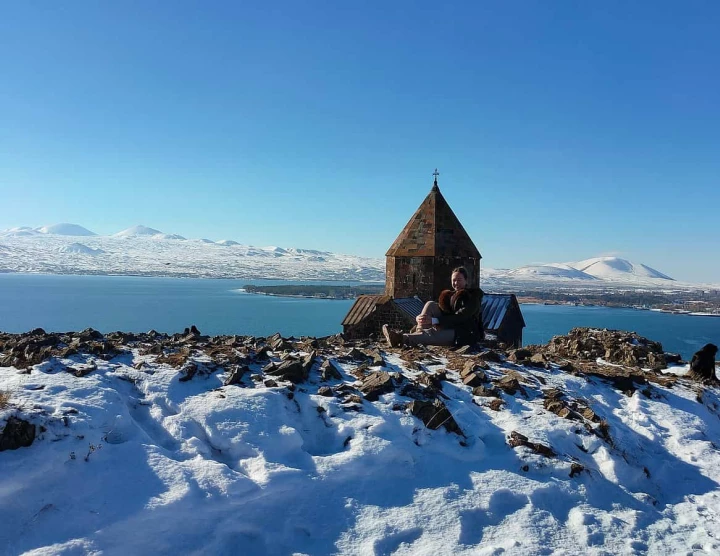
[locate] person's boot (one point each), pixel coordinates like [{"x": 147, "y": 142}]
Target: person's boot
[{"x": 395, "y": 339}]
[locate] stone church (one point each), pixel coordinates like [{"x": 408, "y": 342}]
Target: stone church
[{"x": 418, "y": 268}]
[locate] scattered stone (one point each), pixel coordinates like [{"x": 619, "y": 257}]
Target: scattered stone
[
  {"x": 81, "y": 370},
  {"x": 431, "y": 380},
  {"x": 576, "y": 469},
  {"x": 17, "y": 433},
  {"x": 558, "y": 408},
  {"x": 434, "y": 414},
  {"x": 325, "y": 391},
  {"x": 376, "y": 384},
  {"x": 262, "y": 353},
  {"x": 329, "y": 371},
  {"x": 519, "y": 355},
  {"x": 307, "y": 362},
  {"x": 491, "y": 356},
  {"x": 355, "y": 354},
  {"x": 496, "y": 404},
  {"x": 270, "y": 383},
  {"x": 236, "y": 375},
  {"x": 374, "y": 355},
  {"x": 294, "y": 371},
  {"x": 188, "y": 372},
  {"x": 510, "y": 385},
  {"x": 486, "y": 392},
  {"x": 516, "y": 439},
  {"x": 473, "y": 380},
  {"x": 175, "y": 359},
  {"x": 538, "y": 360}
]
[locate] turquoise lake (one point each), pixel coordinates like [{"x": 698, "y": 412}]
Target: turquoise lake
[{"x": 138, "y": 304}]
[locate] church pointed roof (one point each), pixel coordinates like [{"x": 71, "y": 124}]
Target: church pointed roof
[{"x": 433, "y": 231}]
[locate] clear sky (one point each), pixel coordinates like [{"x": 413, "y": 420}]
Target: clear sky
[{"x": 562, "y": 130}]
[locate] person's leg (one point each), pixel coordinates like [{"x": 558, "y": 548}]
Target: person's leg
[
  {"x": 431, "y": 309},
  {"x": 430, "y": 337}
]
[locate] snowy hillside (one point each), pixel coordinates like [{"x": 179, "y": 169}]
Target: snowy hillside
[
  {"x": 141, "y": 250},
  {"x": 145, "y": 251},
  {"x": 185, "y": 444}
]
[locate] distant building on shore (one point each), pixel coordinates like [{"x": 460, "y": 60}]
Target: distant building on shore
[{"x": 418, "y": 268}]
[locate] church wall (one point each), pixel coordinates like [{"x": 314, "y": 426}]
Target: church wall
[{"x": 409, "y": 276}]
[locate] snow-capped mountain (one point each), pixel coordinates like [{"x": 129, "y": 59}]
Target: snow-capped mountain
[
  {"x": 138, "y": 231},
  {"x": 65, "y": 229},
  {"x": 615, "y": 268}
]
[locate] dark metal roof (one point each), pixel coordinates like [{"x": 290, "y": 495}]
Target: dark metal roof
[
  {"x": 411, "y": 306},
  {"x": 494, "y": 308},
  {"x": 364, "y": 305}
]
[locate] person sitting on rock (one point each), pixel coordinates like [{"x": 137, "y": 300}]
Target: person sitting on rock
[{"x": 452, "y": 320}]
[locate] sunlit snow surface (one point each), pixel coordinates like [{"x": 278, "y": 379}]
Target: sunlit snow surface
[
  {"x": 147, "y": 252},
  {"x": 197, "y": 468}
]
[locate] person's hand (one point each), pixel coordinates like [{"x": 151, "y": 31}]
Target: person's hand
[{"x": 424, "y": 321}]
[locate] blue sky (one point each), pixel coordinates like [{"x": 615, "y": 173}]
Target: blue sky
[{"x": 561, "y": 130}]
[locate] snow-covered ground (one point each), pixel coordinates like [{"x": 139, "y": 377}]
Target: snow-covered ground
[{"x": 134, "y": 461}]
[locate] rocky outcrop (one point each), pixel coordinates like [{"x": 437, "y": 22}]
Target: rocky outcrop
[
  {"x": 614, "y": 346},
  {"x": 16, "y": 433}
]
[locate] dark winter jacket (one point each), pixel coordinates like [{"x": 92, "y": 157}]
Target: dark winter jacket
[{"x": 462, "y": 312}]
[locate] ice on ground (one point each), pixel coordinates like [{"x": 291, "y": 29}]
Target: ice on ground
[{"x": 135, "y": 461}]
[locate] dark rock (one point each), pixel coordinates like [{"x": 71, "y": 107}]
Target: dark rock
[
  {"x": 329, "y": 371},
  {"x": 576, "y": 469},
  {"x": 519, "y": 355},
  {"x": 270, "y": 383},
  {"x": 294, "y": 371},
  {"x": 510, "y": 385},
  {"x": 673, "y": 358},
  {"x": 262, "y": 353},
  {"x": 434, "y": 414},
  {"x": 307, "y": 362},
  {"x": 485, "y": 392},
  {"x": 376, "y": 384},
  {"x": 89, "y": 334},
  {"x": 473, "y": 379},
  {"x": 538, "y": 360},
  {"x": 325, "y": 391},
  {"x": 356, "y": 355},
  {"x": 491, "y": 356},
  {"x": 375, "y": 356},
  {"x": 81, "y": 370},
  {"x": 558, "y": 408},
  {"x": 188, "y": 372},
  {"x": 17, "y": 433},
  {"x": 236, "y": 375},
  {"x": 516, "y": 439},
  {"x": 496, "y": 404}
]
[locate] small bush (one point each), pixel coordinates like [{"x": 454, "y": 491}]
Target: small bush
[{"x": 4, "y": 399}]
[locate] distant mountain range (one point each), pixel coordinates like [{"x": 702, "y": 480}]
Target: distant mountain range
[{"x": 141, "y": 250}]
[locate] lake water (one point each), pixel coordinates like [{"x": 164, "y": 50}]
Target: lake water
[{"x": 138, "y": 304}]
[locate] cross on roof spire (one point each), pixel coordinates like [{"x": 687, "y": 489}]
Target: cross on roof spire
[{"x": 436, "y": 174}]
